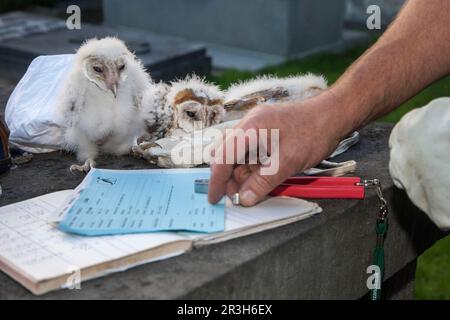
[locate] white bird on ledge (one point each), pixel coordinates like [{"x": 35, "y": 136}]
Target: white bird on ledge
[{"x": 100, "y": 101}]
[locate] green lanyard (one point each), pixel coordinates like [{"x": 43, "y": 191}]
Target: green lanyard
[{"x": 381, "y": 230}]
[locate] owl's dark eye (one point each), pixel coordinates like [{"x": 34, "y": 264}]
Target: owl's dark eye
[
  {"x": 121, "y": 67},
  {"x": 98, "y": 69},
  {"x": 190, "y": 114}
]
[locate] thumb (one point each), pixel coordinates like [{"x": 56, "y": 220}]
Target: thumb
[{"x": 257, "y": 186}]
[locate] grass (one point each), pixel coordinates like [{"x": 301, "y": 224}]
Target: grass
[
  {"x": 433, "y": 272},
  {"x": 433, "y": 268}
]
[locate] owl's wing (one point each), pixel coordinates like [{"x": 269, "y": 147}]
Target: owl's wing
[
  {"x": 71, "y": 100},
  {"x": 155, "y": 111},
  {"x": 250, "y": 100},
  {"x": 140, "y": 81}
]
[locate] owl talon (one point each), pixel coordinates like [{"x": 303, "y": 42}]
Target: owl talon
[
  {"x": 137, "y": 152},
  {"x": 146, "y": 145},
  {"x": 76, "y": 168},
  {"x": 85, "y": 168}
]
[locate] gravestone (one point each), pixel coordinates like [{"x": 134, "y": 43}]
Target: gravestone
[
  {"x": 278, "y": 27},
  {"x": 24, "y": 36}
]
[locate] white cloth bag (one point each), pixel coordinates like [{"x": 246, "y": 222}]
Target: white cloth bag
[
  {"x": 31, "y": 109},
  {"x": 420, "y": 159}
]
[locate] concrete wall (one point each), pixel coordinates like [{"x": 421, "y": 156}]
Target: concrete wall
[{"x": 284, "y": 27}]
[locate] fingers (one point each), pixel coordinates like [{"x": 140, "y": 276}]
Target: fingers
[
  {"x": 233, "y": 146},
  {"x": 233, "y": 149},
  {"x": 220, "y": 174},
  {"x": 243, "y": 172},
  {"x": 232, "y": 187},
  {"x": 223, "y": 158},
  {"x": 257, "y": 186},
  {"x": 240, "y": 174}
]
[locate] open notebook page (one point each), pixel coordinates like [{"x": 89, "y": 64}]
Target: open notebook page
[
  {"x": 39, "y": 251},
  {"x": 30, "y": 243},
  {"x": 268, "y": 214},
  {"x": 270, "y": 210}
]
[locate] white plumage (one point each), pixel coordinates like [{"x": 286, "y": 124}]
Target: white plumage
[
  {"x": 298, "y": 87},
  {"x": 243, "y": 96},
  {"x": 197, "y": 104},
  {"x": 100, "y": 101},
  {"x": 179, "y": 108},
  {"x": 109, "y": 102},
  {"x": 192, "y": 104},
  {"x": 156, "y": 113}
]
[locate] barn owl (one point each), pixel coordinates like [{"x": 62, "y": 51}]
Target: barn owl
[
  {"x": 100, "y": 101},
  {"x": 178, "y": 102},
  {"x": 196, "y": 104},
  {"x": 178, "y": 108},
  {"x": 243, "y": 96}
]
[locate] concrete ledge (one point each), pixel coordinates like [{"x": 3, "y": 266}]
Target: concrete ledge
[{"x": 324, "y": 257}]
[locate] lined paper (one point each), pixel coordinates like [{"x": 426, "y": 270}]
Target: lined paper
[
  {"x": 29, "y": 242},
  {"x": 32, "y": 246},
  {"x": 135, "y": 201}
]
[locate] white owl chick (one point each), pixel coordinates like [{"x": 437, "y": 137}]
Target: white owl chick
[
  {"x": 196, "y": 104},
  {"x": 100, "y": 101},
  {"x": 179, "y": 108},
  {"x": 243, "y": 96}
]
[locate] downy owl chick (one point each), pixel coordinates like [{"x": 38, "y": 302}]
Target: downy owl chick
[
  {"x": 179, "y": 108},
  {"x": 100, "y": 101},
  {"x": 196, "y": 104},
  {"x": 243, "y": 96}
]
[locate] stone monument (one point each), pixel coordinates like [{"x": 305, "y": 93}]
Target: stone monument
[{"x": 24, "y": 36}]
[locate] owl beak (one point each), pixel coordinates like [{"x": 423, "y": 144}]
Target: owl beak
[
  {"x": 112, "y": 83},
  {"x": 113, "y": 89}
]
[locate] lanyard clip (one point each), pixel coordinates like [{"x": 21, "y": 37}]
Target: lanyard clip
[
  {"x": 381, "y": 229},
  {"x": 376, "y": 184}
]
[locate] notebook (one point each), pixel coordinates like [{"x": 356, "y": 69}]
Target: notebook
[{"x": 34, "y": 252}]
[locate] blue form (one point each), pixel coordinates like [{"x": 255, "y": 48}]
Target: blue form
[{"x": 135, "y": 201}]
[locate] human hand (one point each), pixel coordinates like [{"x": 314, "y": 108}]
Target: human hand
[{"x": 308, "y": 132}]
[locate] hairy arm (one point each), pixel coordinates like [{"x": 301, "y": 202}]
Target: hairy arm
[{"x": 412, "y": 53}]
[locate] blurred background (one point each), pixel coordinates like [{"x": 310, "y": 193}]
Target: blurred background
[{"x": 224, "y": 40}]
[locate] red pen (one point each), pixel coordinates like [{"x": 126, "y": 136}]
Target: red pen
[
  {"x": 310, "y": 187},
  {"x": 321, "y": 188}
]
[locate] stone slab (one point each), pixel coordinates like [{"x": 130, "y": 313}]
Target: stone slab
[
  {"x": 165, "y": 57},
  {"x": 279, "y": 27},
  {"x": 324, "y": 257}
]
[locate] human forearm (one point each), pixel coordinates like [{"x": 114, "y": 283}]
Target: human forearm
[{"x": 412, "y": 54}]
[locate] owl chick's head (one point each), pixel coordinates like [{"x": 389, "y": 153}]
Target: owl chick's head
[
  {"x": 196, "y": 103},
  {"x": 104, "y": 62}
]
